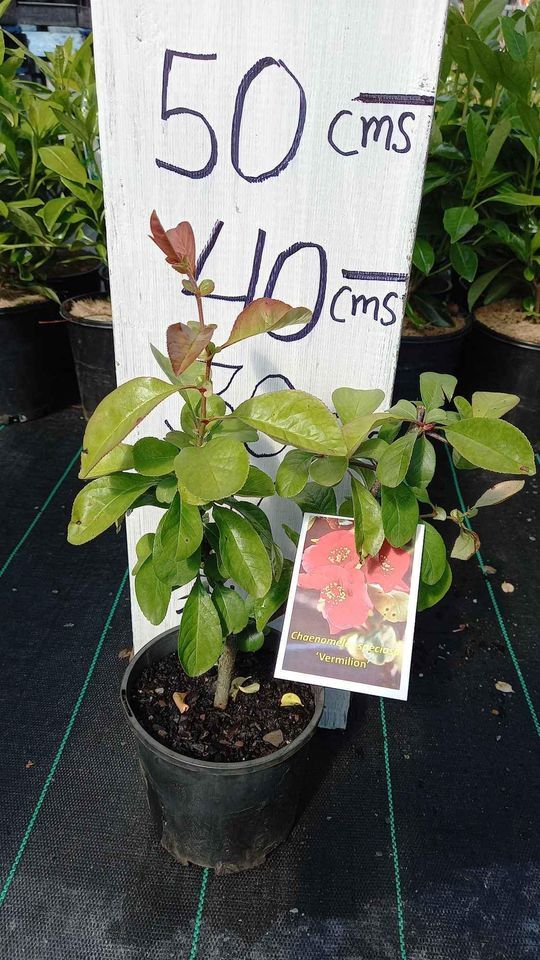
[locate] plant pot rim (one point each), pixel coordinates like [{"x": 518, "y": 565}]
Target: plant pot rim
[
  {"x": 91, "y": 264},
  {"x": 180, "y": 760},
  {"x": 504, "y": 338},
  {"x": 84, "y": 321},
  {"x": 7, "y": 312},
  {"x": 440, "y": 337}
]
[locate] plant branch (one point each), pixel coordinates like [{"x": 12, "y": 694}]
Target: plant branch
[{"x": 225, "y": 673}]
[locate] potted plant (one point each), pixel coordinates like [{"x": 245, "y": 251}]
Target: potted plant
[
  {"x": 52, "y": 232},
  {"x": 89, "y": 320},
  {"x": 499, "y": 66},
  {"x": 221, "y": 743},
  {"x": 484, "y": 145}
]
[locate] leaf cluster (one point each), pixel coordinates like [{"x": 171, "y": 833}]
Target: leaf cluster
[
  {"x": 375, "y": 465},
  {"x": 479, "y": 214},
  {"x": 51, "y": 194}
]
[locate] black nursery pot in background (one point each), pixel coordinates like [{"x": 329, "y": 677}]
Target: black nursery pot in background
[
  {"x": 441, "y": 353},
  {"x": 36, "y": 366},
  {"x": 92, "y": 346},
  {"x": 503, "y": 364},
  {"x": 68, "y": 282},
  {"x": 228, "y": 816}
]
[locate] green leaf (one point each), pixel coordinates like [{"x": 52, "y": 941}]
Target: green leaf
[
  {"x": 458, "y": 221},
  {"x": 372, "y": 449},
  {"x": 261, "y": 524},
  {"x": 516, "y": 199},
  {"x": 356, "y": 431},
  {"x": 53, "y": 209},
  {"x": 119, "y": 458},
  {"x": 433, "y": 555},
  {"x": 316, "y": 499},
  {"x": 152, "y": 594},
  {"x": 179, "y": 439},
  {"x": 293, "y": 473},
  {"x": 178, "y": 537},
  {"x": 394, "y": 463},
  {"x": 215, "y": 470},
  {"x": 101, "y": 502},
  {"x": 166, "y": 489},
  {"x": 423, "y": 255},
  {"x": 476, "y": 133},
  {"x": 499, "y": 492},
  {"x": 399, "y": 508},
  {"x": 264, "y": 315},
  {"x": 235, "y": 429},
  {"x": 466, "y": 545},
  {"x": 463, "y": 407},
  {"x": 153, "y": 457},
  {"x": 493, "y": 445},
  {"x": 118, "y": 414},
  {"x": 200, "y": 639},
  {"x": 328, "y": 471},
  {"x": 368, "y": 525},
  {"x": 243, "y": 552},
  {"x": 351, "y": 404},
  {"x": 266, "y": 607},
  {"x": 423, "y": 463},
  {"x": 143, "y": 549},
  {"x": 293, "y": 535},
  {"x": 250, "y": 640},
  {"x": 435, "y": 387},
  {"x": 430, "y": 594},
  {"x": 496, "y": 141},
  {"x": 258, "y": 484},
  {"x": 346, "y": 509},
  {"x": 464, "y": 260},
  {"x": 481, "y": 284},
  {"x": 231, "y": 609},
  {"x": 296, "y": 418},
  {"x": 403, "y": 410},
  {"x": 515, "y": 43},
  {"x": 175, "y": 573},
  {"x": 493, "y": 405},
  {"x": 62, "y": 160}
]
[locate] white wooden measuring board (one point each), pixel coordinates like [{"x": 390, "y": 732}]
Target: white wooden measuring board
[{"x": 292, "y": 134}]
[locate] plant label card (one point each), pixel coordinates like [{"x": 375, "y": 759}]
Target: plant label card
[{"x": 348, "y": 624}]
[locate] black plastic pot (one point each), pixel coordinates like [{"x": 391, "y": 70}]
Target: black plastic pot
[
  {"x": 441, "y": 354},
  {"x": 228, "y": 816},
  {"x": 93, "y": 353},
  {"x": 68, "y": 282},
  {"x": 500, "y": 363},
  {"x": 36, "y": 366}
]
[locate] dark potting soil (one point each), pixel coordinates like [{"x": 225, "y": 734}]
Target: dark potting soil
[{"x": 223, "y": 736}]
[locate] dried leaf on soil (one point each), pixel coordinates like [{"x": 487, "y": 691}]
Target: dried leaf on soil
[
  {"x": 275, "y": 738},
  {"x": 180, "y": 702},
  {"x": 290, "y": 700},
  {"x": 504, "y": 687}
]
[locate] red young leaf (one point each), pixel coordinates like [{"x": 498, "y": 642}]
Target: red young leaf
[
  {"x": 178, "y": 243},
  {"x": 184, "y": 345}
]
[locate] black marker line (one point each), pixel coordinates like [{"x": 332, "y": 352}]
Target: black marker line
[
  {"x": 373, "y": 275},
  {"x": 420, "y": 101}
]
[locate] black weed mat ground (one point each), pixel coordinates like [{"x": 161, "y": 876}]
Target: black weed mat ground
[{"x": 426, "y": 852}]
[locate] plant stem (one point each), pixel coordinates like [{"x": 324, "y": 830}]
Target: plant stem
[{"x": 225, "y": 673}]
